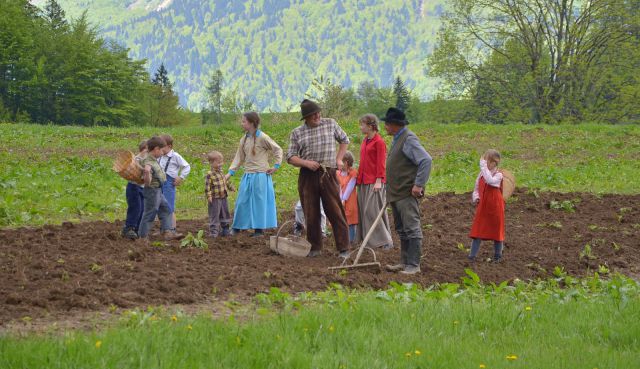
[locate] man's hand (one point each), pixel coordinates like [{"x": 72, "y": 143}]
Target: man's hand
[
  {"x": 178, "y": 181},
  {"x": 340, "y": 164},
  {"x": 227, "y": 176},
  {"x": 417, "y": 191},
  {"x": 312, "y": 165},
  {"x": 271, "y": 170}
]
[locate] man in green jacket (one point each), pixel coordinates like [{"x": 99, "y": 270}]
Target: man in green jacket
[{"x": 408, "y": 169}]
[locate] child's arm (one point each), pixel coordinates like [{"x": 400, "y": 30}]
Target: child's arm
[
  {"x": 185, "y": 169},
  {"x": 207, "y": 188},
  {"x": 270, "y": 144},
  {"x": 476, "y": 194},
  {"x": 493, "y": 180},
  {"x": 229, "y": 185},
  {"x": 381, "y": 158},
  {"x": 238, "y": 159},
  {"x": 147, "y": 175},
  {"x": 348, "y": 190}
]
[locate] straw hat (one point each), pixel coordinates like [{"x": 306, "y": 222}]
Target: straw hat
[{"x": 508, "y": 183}]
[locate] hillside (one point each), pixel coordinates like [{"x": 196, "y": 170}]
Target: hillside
[{"x": 271, "y": 50}]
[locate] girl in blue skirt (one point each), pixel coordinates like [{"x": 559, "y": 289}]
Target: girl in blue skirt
[{"x": 256, "y": 203}]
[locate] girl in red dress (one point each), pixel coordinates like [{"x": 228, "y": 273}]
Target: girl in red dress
[{"x": 488, "y": 223}]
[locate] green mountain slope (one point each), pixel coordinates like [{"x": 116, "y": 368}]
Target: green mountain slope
[{"x": 271, "y": 50}]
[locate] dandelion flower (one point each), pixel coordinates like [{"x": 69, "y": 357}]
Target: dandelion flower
[
  {"x": 174, "y": 318},
  {"x": 408, "y": 354},
  {"x": 482, "y": 366},
  {"x": 528, "y": 308},
  {"x": 189, "y": 327},
  {"x": 331, "y": 328},
  {"x": 512, "y": 357},
  {"x": 98, "y": 344},
  {"x": 417, "y": 352}
]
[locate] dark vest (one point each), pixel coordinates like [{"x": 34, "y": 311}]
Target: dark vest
[{"x": 401, "y": 172}]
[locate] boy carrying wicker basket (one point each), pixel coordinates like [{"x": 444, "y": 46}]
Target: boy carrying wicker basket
[
  {"x": 154, "y": 201},
  {"x": 135, "y": 199}
]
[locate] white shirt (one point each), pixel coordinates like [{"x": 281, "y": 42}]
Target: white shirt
[
  {"x": 491, "y": 177},
  {"x": 177, "y": 165}
]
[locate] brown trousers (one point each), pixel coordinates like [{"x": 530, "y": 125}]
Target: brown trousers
[{"x": 313, "y": 186}]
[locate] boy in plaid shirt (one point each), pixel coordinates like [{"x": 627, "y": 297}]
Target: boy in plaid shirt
[{"x": 216, "y": 190}]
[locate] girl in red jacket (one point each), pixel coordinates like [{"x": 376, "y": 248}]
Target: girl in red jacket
[
  {"x": 488, "y": 223},
  {"x": 372, "y": 185}
]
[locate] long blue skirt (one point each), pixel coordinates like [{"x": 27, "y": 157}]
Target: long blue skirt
[{"x": 256, "y": 203}]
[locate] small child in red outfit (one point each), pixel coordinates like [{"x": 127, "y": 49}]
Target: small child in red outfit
[
  {"x": 347, "y": 178},
  {"x": 488, "y": 223}
]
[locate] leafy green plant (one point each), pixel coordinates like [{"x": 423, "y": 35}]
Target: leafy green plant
[
  {"x": 555, "y": 225},
  {"x": 196, "y": 241},
  {"x": 587, "y": 253},
  {"x": 567, "y": 205},
  {"x": 558, "y": 272},
  {"x": 603, "y": 269},
  {"x": 460, "y": 246}
]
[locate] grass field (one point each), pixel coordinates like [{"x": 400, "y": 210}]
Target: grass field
[
  {"x": 590, "y": 323},
  {"x": 52, "y": 174}
]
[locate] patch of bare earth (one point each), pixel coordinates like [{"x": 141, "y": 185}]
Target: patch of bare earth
[{"x": 83, "y": 270}]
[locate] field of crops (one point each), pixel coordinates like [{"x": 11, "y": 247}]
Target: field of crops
[
  {"x": 75, "y": 294},
  {"x": 52, "y": 174}
]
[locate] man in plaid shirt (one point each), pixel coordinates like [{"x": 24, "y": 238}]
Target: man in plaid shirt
[{"x": 313, "y": 149}]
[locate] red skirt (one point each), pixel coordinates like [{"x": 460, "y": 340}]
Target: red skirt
[{"x": 488, "y": 223}]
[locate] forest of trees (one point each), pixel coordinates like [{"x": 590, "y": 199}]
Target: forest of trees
[
  {"x": 541, "y": 60},
  {"x": 53, "y": 70},
  {"x": 272, "y": 50},
  {"x": 493, "y": 61}
]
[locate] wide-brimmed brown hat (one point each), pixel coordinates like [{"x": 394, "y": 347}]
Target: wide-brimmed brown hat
[{"x": 308, "y": 107}]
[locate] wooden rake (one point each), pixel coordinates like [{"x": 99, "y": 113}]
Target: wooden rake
[{"x": 375, "y": 264}]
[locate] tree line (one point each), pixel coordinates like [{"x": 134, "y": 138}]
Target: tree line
[
  {"x": 336, "y": 100},
  {"x": 55, "y": 70},
  {"x": 541, "y": 60}
]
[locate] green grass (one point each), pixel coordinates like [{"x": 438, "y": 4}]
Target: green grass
[
  {"x": 590, "y": 323},
  {"x": 51, "y": 174}
]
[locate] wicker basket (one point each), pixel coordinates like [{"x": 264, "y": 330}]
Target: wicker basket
[
  {"x": 126, "y": 166},
  {"x": 289, "y": 246},
  {"x": 508, "y": 184}
]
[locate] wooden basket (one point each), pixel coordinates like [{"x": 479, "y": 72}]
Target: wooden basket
[
  {"x": 289, "y": 246},
  {"x": 126, "y": 166},
  {"x": 508, "y": 184}
]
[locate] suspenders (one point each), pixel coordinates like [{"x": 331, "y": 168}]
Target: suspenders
[{"x": 166, "y": 166}]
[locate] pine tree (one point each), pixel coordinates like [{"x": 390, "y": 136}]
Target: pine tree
[
  {"x": 214, "y": 90},
  {"x": 161, "y": 78},
  {"x": 55, "y": 16},
  {"x": 403, "y": 97},
  {"x": 163, "y": 110}
]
